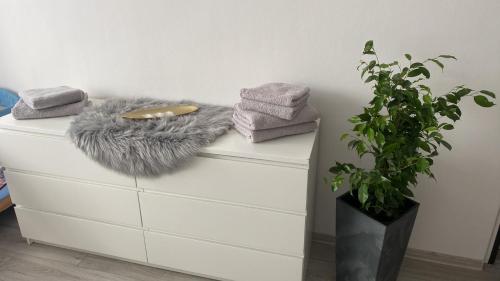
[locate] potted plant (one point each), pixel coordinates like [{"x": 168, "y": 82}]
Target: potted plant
[{"x": 401, "y": 129}]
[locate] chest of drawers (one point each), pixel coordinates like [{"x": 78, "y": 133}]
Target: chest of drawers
[{"x": 237, "y": 211}]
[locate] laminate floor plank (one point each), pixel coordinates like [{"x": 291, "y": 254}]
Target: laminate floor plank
[
  {"x": 11, "y": 240},
  {"x": 22, "y": 262},
  {"x": 27, "y": 268},
  {"x": 131, "y": 271},
  {"x": 128, "y": 271}
]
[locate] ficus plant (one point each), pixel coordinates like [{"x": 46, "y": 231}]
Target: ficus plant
[{"x": 401, "y": 129}]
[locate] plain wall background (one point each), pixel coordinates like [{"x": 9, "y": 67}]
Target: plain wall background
[{"x": 208, "y": 49}]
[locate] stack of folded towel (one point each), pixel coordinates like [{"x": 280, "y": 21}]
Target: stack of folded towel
[
  {"x": 50, "y": 102},
  {"x": 274, "y": 110}
]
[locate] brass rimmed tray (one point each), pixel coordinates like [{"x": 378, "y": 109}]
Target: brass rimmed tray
[{"x": 159, "y": 112}]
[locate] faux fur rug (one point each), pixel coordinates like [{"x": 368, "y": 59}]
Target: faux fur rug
[{"x": 146, "y": 147}]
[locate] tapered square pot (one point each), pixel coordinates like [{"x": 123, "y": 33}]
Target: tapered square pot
[{"x": 370, "y": 248}]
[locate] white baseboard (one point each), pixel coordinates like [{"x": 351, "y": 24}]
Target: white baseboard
[{"x": 421, "y": 255}]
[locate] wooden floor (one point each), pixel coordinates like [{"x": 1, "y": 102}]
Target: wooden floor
[{"x": 20, "y": 262}]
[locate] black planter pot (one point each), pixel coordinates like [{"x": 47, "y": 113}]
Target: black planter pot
[{"x": 367, "y": 248}]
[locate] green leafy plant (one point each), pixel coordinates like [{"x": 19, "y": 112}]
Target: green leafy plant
[{"x": 401, "y": 128}]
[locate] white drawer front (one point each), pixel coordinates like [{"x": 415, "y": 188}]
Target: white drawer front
[
  {"x": 82, "y": 234},
  {"x": 229, "y": 224},
  {"x": 75, "y": 198},
  {"x": 220, "y": 261},
  {"x": 274, "y": 187},
  {"x": 54, "y": 155}
]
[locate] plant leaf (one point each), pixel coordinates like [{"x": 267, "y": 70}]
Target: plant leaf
[
  {"x": 415, "y": 72},
  {"x": 448, "y": 57},
  {"x": 337, "y": 182},
  {"x": 430, "y": 129},
  {"x": 425, "y": 72},
  {"x": 422, "y": 164},
  {"x": 391, "y": 147},
  {"x": 355, "y": 119},
  {"x": 363, "y": 193},
  {"x": 370, "y": 134},
  {"x": 463, "y": 92},
  {"x": 364, "y": 117},
  {"x": 344, "y": 136},
  {"x": 483, "y": 101},
  {"x": 359, "y": 128},
  {"x": 364, "y": 71},
  {"x": 416, "y": 65},
  {"x": 380, "y": 139},
  {"x": 440, "y": 64},
  {"x": 360, "y": 148},
  {"x": 424, "y": 146},
  {"x": 334, "y": 169},
  {"x": 425, "y": 88},
  {"x": 408, "y": 56},
  {"x": 488, "y": 93},
  {"x": 380, "y": 195},
  {"x": 352, "y": 143},
  {"x": 452, "y": 98},
  {"x": 371, "y": 78},
  {"x": 427, "y": 99},
  {"x": 448, "y": 127},
  {"x": 368, "y": 46},
  {"x": 446, "y": 144},
  {"x": 407, "y": 192},
  {"x": 372, "y": 64}
]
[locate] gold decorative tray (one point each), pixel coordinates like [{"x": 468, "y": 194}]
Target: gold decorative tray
[{"x": 158, "y": 112}]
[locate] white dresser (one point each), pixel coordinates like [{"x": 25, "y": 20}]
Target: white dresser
[{"x": 238, "y": 211}]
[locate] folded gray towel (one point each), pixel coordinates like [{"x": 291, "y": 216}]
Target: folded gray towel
[
  {"x": 22, "y": 111},
  {"x": 259, "y": 121},
  {"x": 268, "y": 134},
  {"x": 50, "y": 97},
  {"x": 277, "y": 93},
  {"x": 283, "y": 112}
]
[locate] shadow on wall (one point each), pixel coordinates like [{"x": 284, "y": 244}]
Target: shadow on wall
[{"x": 335, "y": 107}]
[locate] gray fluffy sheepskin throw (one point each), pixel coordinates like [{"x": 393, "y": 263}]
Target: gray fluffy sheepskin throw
[{"x": 146, "y": 147}]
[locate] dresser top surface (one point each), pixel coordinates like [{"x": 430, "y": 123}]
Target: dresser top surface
[{"x": 292, "y": 149}]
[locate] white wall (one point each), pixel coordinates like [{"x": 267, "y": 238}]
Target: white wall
[{"x": 208, "y": 49}]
